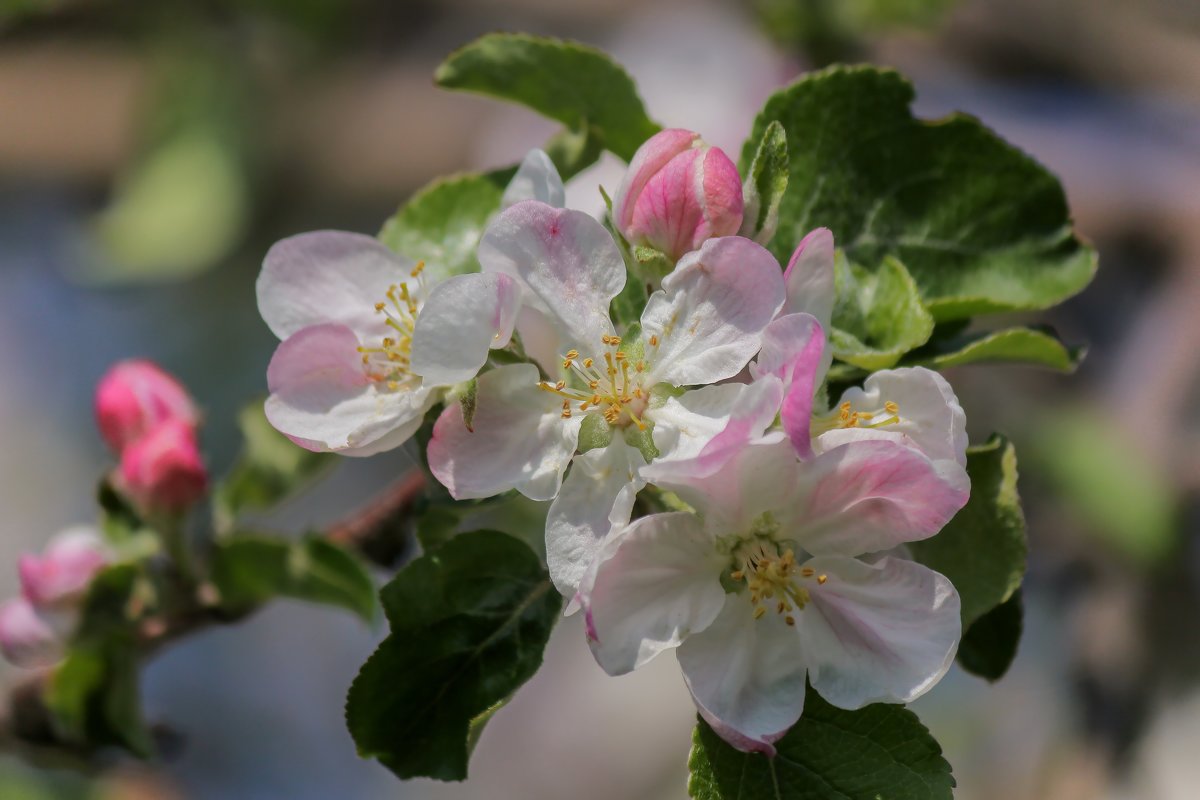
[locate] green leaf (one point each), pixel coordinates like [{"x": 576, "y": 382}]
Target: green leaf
[
  {"x": 979, "y": 225},
  {"x": 1035, "y": 345},
  {"x": 577, "y": 85},
  {"x": 878, "y": 316},
  {"x": 881, "y": 751},
  {"x": 250, "y": 570},
  {"x": 441, "y": 223},
  {"x": 765, "y": 185},
  {"x": 270, "y": 468},
  {"x": 573, "y": 151},
  {"x": 989, "y": 646},
  {"x": 469, "y": 623},
  {"x": 93, "y": 693},
  {"x": 982, "y": 550}
]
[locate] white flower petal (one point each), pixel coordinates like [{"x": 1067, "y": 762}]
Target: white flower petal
[
  {"x": 518, "y": 439},
  {"x": 596, "y": 498},
  {"x": 536, "y": 179},
  {"x": 746, "y": 675},
  {"x": 463, "y": 317},
  {"x": 569, "y": 264},
  {"x": 930, "y": 417},
  {"x": 709, "y": 316},
  {"x": 327, "y": 276},
  {"x": 809, "y": 277},
  {"x": 759, "y": 477},
  {"x": 322, "y": 399},
  {"x": 882, "y": 632},
  {"x": 707, "y": 426},
  {"x": 652, "y": 585},
  {"x": 868, "y": 496}
]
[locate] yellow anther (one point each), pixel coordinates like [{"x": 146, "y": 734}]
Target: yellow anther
[
  {"x": 393, "y": 385},
  {"x": 790, "y": 620},
  {"x": 760, "y": 612},
  {"x": 737, "y": 575},
  {"x": 587, "y": 363},
  {"x": 808, "y": 572},
  {"x": 594, "y": 385},
  {"x": 380, "y": 306},
  {"x": 654, "y": 341},
  {"x": 560, "y": 385},
  {"x": 572, "y": 355},
  {"x": 595, "y": 400},
  {"x": 891, "y": 407},
  {"x": 640, "y": 366},
  {"x": 621, "y": 355},
  {"x": 418, "y": 269},
  {"x": 822, "y": 578}
]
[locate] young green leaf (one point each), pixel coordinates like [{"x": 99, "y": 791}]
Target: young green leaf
[
  {"x": 878, "y": 316},
  {"x": 982, "y": 550},
  {"x": 250, "y": 570},
  {"x": 1035, "y": 345},
  {"x": 979, "y": 225},
  {"x": 989, "y": 646},
  {"x": 830, "y": 754},
  {"x": 469, "y": 622},
  {"x": 93, "y": 693},
  {"x": 441, "y": 223},
  {"x": 270, "y": 468},
  {"x": 764, "y": 186},
  {"x": 577, "y": 85}
]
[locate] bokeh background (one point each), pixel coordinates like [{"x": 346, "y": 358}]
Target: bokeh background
[{"x": 151, "y": 152}]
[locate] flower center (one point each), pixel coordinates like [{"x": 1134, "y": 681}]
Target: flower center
[
  {"x": 614, "y": 389},
  {"x": 388, "y": 363},
  {"x": 773, "y": 579},
  {"x": 846, "y": 417}
]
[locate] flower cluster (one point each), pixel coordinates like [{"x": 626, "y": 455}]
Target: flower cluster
[
  {"x": 150, "y": 422},
  {"x": 769, "y": 549}
]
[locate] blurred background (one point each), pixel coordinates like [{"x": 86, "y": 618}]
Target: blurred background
[{"x": 151, "y": 152}]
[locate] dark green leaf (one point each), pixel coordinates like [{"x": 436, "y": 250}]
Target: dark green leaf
[
  {"x": 878, "y": 316},
  {"x": 990, "y": 644},
  {"x": 250, "y": 570},
  {"x": 764, "y": 185},
  {"x": 982, "y": 550},
  {"x": 881, "y": 751},
  {"x": 441, "y": 224},
  {"x": 270, "y": 468},
  {"x": 979, "y": 225},
  {"x": 577, "y": 85},
  {"x": 1039, "y": 345},
  {"x": 469, "y": 623}
]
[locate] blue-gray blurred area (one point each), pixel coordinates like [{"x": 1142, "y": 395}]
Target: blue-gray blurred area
[{"x": 151, "y": 152}]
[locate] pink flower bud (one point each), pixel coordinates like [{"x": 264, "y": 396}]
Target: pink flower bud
[
  {"x": 678, "y": 192},
  {"x": 136, "y": 395},
  {"x": 26, "y": 638},
  {"x": 59, "y": 577},
  {"x": 163, "y": 471}
]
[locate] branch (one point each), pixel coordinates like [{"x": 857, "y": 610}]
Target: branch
[{"x": 380, "y": 533}]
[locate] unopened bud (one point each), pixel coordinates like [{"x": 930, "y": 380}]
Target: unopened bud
[
  {"x": 26, "y": 638},
  {"x": 163, "y": 471},
  {"x": 678, "y": 192},
  {"x": 59, "y": 577},
  {"x": 133, "y": 397}
]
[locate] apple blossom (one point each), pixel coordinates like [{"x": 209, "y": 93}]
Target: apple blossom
[
  {"x": 60, "y": 575},
  {"x": 136, "y": 395},
  {"x": 678, "y": 192},
  {"x": 369, "y": 337},
  {"x": 702, "y": 327},
  {"x": 163, "y": 470},
  {"x": 35, "y": 626},
  {"x": 764, "y": 586}
]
